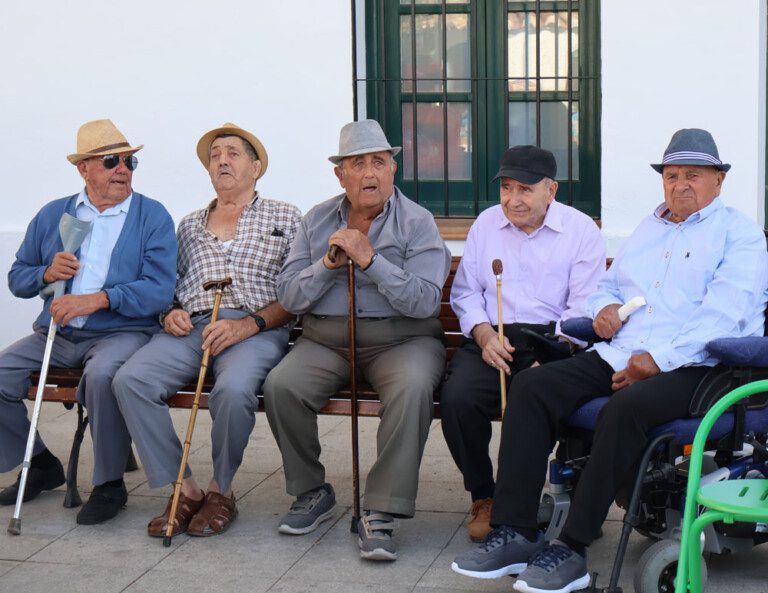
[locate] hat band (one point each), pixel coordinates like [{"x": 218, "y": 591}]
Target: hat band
[
  {"x": 688, "y": 154},
  {"x": 109, "y": 147}
]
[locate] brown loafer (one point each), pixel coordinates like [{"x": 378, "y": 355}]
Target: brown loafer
[
  {"x": 186, "y": 509},
  {"x": 215, "y": 517}
]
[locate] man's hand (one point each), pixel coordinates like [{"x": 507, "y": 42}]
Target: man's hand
[
  {"x": 178, "y": 323},
  {"x": 355, "y": 245},
  {"x": 63, "y": 267},
  {"x": 606, "y": 323},
  {"x": 224, "y": 333},
  {"x": 640, "y": 366},
  {"x": 494, "y": 354},
  {"x": 67, "y": 307}
]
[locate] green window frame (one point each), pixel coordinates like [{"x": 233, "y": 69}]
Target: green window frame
[{"x": 477, "y": 101}]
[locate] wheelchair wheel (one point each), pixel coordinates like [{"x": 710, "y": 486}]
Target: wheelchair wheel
[{"x": 657, "y": 568}]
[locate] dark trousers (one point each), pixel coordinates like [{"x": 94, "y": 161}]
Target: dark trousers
[
  {"x": 470, "y": 400},
  {"x": 540, "y": 398}
]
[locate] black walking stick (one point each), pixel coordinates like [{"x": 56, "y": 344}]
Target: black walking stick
[
  {"x": 332, "y": 253},
  {"x": 72, "y": 231}
]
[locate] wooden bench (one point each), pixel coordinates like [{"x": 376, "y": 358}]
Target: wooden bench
[{"x": 61, "y": 387}]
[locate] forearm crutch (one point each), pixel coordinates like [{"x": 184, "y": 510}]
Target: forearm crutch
[
  {"x": 219, "y": 285},
  {"x": 332, "y": 254},
  {"x": 497, "y": 270},
  {"x": 72, "y": 232}
]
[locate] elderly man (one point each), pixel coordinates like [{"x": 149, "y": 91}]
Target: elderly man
[
  {"x": 553, "y": 256},
  {"x": 402, "y": 264},
  {"x": 246, "y": 237},
  {"x": 702, "y": 268},
  {"x": 117, "y": 283}
]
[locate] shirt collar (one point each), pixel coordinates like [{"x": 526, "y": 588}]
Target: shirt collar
[
  {"x": 553, "y": 219},
  {"x": 212, "y": 204},
  {"x": 83, "y": 200},
  {"x": 697, "y": 216},
  {"x": 343, "y": 209}
]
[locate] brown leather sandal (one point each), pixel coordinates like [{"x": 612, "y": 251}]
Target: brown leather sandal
[
  {"x": 216, "y": 515},
  {"x": 185, "y": 511}
]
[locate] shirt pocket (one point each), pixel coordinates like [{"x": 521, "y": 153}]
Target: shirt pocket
[{"x": 552, "y": 285}]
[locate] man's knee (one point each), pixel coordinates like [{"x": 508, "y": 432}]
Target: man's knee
[
  {"x": 234, "y": 395},
  {"x": 456, "y": 397}
]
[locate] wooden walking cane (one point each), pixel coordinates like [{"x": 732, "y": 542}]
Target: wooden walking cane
[
  {"x": 219, "y": 285},
  {"x": 497, "y": 270},
  {"x": 332, "y": 254}
]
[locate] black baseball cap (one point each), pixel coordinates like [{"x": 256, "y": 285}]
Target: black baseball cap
[{"x": 527, "y": 164}]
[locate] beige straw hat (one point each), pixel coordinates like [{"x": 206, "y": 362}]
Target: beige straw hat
[
  {"x": 204, "y": 144},
  {"x": 100, "y": 137}
]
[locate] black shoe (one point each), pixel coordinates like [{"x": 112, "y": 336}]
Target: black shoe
[
  {"x": 37, "y": 481},
  {"x": 103, "y": 504}
]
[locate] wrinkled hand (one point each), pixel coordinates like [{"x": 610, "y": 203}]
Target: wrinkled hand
[
  {"x": 224, "y": 333},
  {"x": 606, "y": 323},
  {"x": 494, "y": 354},
  {"x": 178, "y": 323},
  {"x": 67, "y": 307},
  {"x": 63, "y": 267},
  {"x": 640, "y": 366},
  {"x": 355, "y": 246}
]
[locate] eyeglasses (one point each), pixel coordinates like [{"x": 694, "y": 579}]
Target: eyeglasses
[{"x": 111, "y": 161}]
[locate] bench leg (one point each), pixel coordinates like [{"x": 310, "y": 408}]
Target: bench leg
[
  {"x": 131, "y": 465},
  {"x": 72, "y": 497}
]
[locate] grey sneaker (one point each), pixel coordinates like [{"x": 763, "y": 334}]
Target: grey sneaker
[
  {"x": 556, "y": 569},
  {"x": 374, "y": 536},
  {"x": 308, "y": 511},
  {"x": 503, "y": 552}
]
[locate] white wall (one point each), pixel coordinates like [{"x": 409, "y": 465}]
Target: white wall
[
  {"x": 165, "y": 72},
  {"x": 670, "y": 65}
]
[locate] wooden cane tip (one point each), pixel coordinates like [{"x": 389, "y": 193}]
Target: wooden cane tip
[
  {"x": 167, "y": 541},
  {"x": 497, "y": 267},
  {"x": 353, "y": 527}
]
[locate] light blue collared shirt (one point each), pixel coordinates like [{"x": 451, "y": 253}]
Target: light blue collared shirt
[
  {"x": 96, "y": 250},
  {"x": 704, "y": 278}
]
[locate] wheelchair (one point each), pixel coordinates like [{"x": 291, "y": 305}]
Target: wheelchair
[{"x": 655, "y": 499}]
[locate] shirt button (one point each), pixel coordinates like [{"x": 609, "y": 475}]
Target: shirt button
[
  {"x": 666, "y": 255},
  {"x": 650, "y": 310},
  {"x": 657, "y": 284},
  {"x": 642, "y": 340}
]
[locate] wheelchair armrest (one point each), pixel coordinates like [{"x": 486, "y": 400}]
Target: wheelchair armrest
[
  {"x": 547, "y": 347},
  {"x": 750, "y": 351},
  {"x": 581, "y": 329},
  {"x": 720, "y": 380}
]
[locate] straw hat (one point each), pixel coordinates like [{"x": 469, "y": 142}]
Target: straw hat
[
  {"x": 204, "y": 145},
  {"x": 100, "y": 137}
]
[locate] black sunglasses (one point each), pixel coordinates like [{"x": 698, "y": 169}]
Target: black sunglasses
[{"x": 112, "y": 160}]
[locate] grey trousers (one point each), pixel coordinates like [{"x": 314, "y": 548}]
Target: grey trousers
[
  {"x": 100, "y": 354},
  {"x": 167, "y": 363},
  {"x": 402, "y": 358}
]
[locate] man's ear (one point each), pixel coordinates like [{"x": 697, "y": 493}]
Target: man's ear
[
  {"x": 340, "y": 175},
  {"x": 81, "y": 168}
]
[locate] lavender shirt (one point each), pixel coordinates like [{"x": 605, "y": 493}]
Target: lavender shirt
[{"x": 547, "y": 274}]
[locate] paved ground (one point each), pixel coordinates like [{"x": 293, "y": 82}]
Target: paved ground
[{"x": 54, "y": 554}]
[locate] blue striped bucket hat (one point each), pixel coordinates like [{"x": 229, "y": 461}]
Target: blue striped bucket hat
[{"x": 692, "y": 146}]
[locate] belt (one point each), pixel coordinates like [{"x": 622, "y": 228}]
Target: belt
[{"x": 200, "y": 313}]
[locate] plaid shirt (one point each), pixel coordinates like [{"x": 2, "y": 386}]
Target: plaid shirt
[{"x": 263, "y": 236}]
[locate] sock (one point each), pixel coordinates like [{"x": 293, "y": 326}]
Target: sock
[
  {"x": 113, "y": 483},
  {"x": 577, "y": 547},
  {"x": 527, "y": 532},
  {"x": 483, "y": 492},
  {"x": 44, "y": 460}
]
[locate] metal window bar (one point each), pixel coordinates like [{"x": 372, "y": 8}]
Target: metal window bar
[
  {"x": 415, "y": 128},
  {"x": 444, "y": 49},
  {"x": 354, "y": 61},
  {"x": 505, "y": 58},
  {"x": 538, "y": 73},
  {"x": 569, "y": 142}
]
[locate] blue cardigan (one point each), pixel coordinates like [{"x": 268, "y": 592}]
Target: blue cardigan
[{"x": 142, "y": 271}]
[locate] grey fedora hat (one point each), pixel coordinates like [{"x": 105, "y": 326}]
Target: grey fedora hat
[
  {"x": 362, "y": 137},
  {"x": 692, "y": 146}
]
